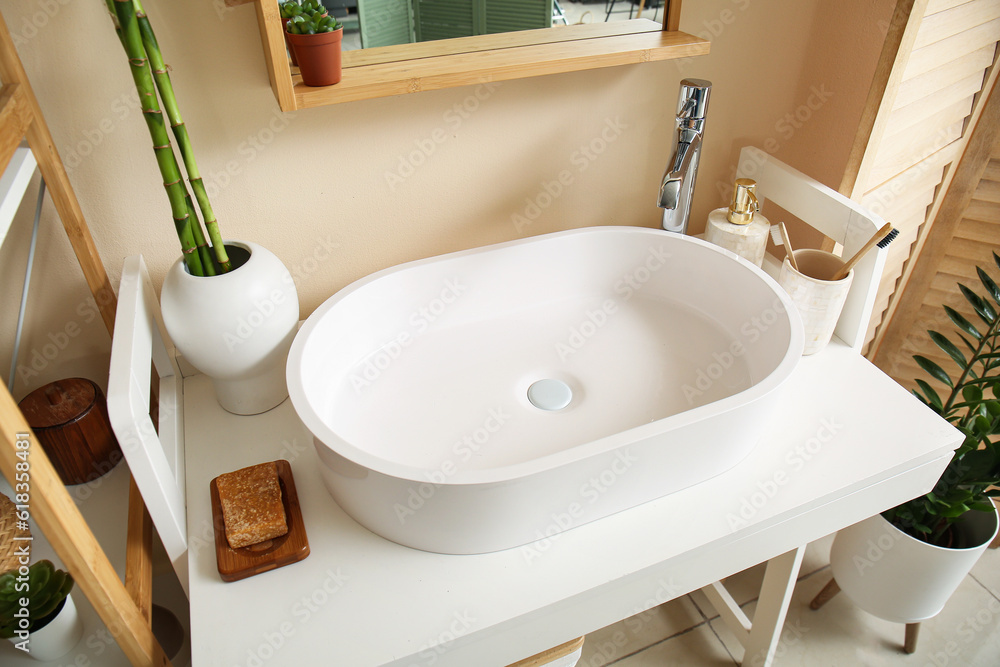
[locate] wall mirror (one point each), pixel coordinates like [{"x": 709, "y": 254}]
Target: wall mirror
[
  {"x": 396, "y": 69},
  {"x": 377, "y": 23}
]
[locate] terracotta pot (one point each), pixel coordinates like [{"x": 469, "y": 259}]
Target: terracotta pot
[
  {"x": 291, "y": 51},
  {"x": 318, "y": 56}
]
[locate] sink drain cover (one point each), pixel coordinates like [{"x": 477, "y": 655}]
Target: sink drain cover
[{"x": 550, "y": 394}]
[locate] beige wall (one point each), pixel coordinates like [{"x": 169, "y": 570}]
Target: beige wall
[{"x": 343, "y": 191}]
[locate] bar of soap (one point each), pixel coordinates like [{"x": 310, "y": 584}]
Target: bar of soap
[{"x": 251, "y": 505}]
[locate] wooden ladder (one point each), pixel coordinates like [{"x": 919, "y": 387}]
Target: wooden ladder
[{"x": 125, "y": 607}]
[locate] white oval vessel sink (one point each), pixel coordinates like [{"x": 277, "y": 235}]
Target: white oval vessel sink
[{"x": 488, "y": 398}]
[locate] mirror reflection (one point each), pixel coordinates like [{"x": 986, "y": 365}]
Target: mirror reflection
[{"x": 373, "y": 23}]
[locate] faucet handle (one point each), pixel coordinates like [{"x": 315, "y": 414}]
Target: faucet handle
[{"x": 692, "y": 103}]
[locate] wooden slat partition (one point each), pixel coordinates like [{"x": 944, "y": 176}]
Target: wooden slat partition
[
  {"x": 938, "y": 57},
  {"x": 127, "y": 617},
  {"x": 965, "y": 234},
  {"x": 898, "y": 44}
]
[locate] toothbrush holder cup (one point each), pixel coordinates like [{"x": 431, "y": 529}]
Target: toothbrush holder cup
[{"x": 818, "y": 299}]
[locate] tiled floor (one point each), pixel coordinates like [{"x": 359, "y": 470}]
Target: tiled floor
[{"x": 688, "y": 632}]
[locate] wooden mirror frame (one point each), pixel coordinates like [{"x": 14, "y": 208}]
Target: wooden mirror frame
[{"x": 411, "y": 68}]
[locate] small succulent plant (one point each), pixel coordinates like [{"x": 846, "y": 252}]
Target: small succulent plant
[
  {"x": 313, "y": 25},
  {"x": 303, "y": 8},
  {"x": 45, "y": 588}
]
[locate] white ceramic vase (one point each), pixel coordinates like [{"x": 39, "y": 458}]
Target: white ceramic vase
[
  {"x": 902, "y": 579},
  {"x": 236, "y": 327},
  {"x": 58, "y": 637}
]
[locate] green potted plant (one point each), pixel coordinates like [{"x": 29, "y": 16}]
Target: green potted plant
[
  {"x": 316, "y": 42},
  {"x": 904, "y": 564},
  {"x": 290, "y": 10},
  {"x": 304, "y": 8},
  {"x": 233, "y": 317},
  {"x": 36, "y": 602}
]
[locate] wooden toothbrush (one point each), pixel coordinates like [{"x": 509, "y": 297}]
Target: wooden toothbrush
[
  {"x": 780, "y": 237},
  {"x": 882, "y": 238}
]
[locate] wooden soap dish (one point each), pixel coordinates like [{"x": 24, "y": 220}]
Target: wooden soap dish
[{"x": 293, "y": 546}]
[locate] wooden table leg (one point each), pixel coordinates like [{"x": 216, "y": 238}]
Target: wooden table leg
[
  {"x": 912, "y": 630},
  {"x": 825, "y": 595}
]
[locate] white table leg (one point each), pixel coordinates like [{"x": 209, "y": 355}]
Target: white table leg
[{"x": 768, "y": 619}]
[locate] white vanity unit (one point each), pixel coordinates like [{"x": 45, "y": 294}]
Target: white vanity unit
[
  {"x": 850, "y": 442},
  {"x": 847, "y": 442}
]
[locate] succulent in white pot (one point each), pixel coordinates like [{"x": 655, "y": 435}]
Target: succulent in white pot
[{"x": 37, "y": 613}]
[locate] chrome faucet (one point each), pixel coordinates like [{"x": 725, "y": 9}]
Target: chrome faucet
[{"x": 678, "y": 180}]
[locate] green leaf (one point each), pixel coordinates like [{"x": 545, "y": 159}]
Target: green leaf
[
  {"x": 978, "y": 304},
  {"x": 968, "y": 343},
  {"x": 962, "y": 323},
  {"x": 949, "y": 348},
  {"x": 932, "y": 396},
  {"x": 39, "y": 575},
  {"x": 972, "y": 393},
  {"x": 955, "y": 511},
  {"x": 933, "y": 369},
  {"x": 7, "y": 584},
  {"x": 990, "y": 313},
  {"x": 978, "y": 464},
  {"x": 991, "y": 287}
]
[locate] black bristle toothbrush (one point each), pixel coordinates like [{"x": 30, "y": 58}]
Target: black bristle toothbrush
[{"x": 882, "y": 238}]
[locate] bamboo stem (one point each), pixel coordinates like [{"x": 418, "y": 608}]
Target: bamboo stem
[
  {"x": 165, "y": 86},
  {"x": 151, "y": 112}
]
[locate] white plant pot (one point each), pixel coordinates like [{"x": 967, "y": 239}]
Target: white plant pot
[
  {"x": 236, "y": 327},
  {"x": 899, "y": 578},
  {"x": 58, "y": 637}
]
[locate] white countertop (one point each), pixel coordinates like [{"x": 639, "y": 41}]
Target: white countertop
[{"x": 849, "y": 443}]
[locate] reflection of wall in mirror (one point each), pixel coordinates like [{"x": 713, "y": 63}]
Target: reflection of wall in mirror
[{"x": 388, "y": 22}]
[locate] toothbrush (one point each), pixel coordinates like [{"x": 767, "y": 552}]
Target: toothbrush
[
  {"x": 882, "y": 238},
  {"x": 780, "y": 237}
]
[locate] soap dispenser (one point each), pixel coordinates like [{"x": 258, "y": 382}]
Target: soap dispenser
[{"x": 740, "y": 228}]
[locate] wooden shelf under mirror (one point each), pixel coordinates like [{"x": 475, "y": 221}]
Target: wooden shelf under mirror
[{"x": 411, "y": 68}]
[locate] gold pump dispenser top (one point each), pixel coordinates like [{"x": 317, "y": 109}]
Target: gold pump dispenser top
[{"x": 744, "y": 203}]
